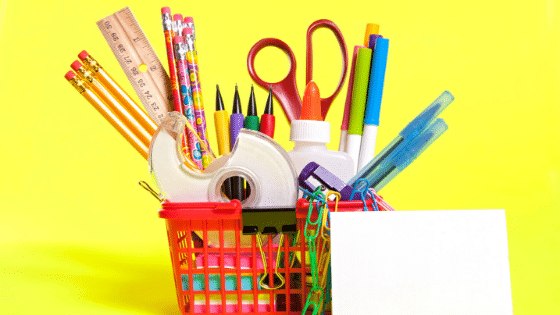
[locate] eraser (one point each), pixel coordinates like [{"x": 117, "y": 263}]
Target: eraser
[
  {"x": 189, "y": 19},
  {"x": 69, "y": 75},
  {"x": 76, "y": 65},
  {"x": 83, "y": 55},
  {"x": 165, "y": 10},
  {"x": 178, "y": 39},
  {"x": 187, "y": 31},
  {"x": 178, "y": 17}
]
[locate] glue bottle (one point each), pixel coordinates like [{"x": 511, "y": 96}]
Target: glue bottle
[{"x": 311, "y": 134}]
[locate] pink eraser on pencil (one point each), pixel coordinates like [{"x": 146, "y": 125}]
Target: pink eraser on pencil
[
  {"x": 165, "y": 10},
  {"x": 83, "y": 55},
  {"x": 187, "y": 31},
  {"x": 189, "y": 19},
  {"x": 76, "y": 65},
  {"x": 178, "y": 17},
  {"x": 178, "y": 39},
  {"x": 69, "y": 75}
]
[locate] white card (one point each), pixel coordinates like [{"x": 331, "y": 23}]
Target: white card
[{"x": 420, "y": 262}]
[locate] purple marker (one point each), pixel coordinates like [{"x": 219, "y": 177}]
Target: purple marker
[
  {"x": 372, "y": 39},
  {"x": 326, "y": 178}
]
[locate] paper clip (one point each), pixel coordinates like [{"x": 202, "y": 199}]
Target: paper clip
[
  {"x": 325, "y": 228},
  {"x": 264, "y": 279},
  {"x": 152, "y": 191}
]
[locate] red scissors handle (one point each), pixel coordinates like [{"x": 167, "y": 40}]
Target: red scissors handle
[
  {"x": 326, "y": 102},
  {"x": 285, "y": 90}
]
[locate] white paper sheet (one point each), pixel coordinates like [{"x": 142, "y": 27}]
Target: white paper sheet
[{"x": 420, "y": 262}]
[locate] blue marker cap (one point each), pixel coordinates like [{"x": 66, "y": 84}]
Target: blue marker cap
[{"x": 376, "y": 81}]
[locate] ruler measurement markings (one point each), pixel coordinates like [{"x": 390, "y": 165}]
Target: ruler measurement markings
[{"x": 129, "y": 57}]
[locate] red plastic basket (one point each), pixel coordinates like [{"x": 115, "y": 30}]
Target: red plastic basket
[{"x": 217, "y": 269}]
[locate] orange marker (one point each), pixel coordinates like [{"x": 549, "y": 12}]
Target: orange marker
[{"x": 371, "y": 29}]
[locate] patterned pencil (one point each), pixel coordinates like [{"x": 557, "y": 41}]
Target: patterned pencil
[
  {"x": 192, "y": 63},
  {"x": 186, "y": 96}
]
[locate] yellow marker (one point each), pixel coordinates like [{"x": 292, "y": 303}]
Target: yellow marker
[
  {"x": 371, "y": 29},
  {"x": 221, "y": 121}
]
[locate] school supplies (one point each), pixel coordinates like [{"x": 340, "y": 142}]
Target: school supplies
[
  {"x": 372, "y": 40},
  {"x": 311, "y": 134},
  {"x": 177, "y": 183},
  {"x": 194, "y": 148},
  {"x": 194, "y": 76},
  {"x": 235, "y": 125},
  {"x": 414, "y": 129},
  {"x": 138, "y": 61},
  {"x": 420, "y": 262},
  {"x": 84, "y": 89},
  {"x": 221, "y": 122},
  {"x": 117, "y": 92},
  {"x": 268, "y": 120},
  {"x": 316, "y": 172},
  {"x": 169, "y": 32},
  {"x": 286, "y": 90},
  {"x": 401, "y": 158},
  {"x": 348, "y": 103},
  {"x": 357, "y": 109},
  {"x": 107, "y": 98},
  {"x": 252, "y": 119},
  {"x": 373, "y": 103},
  {"x": 371, "y": 29}
]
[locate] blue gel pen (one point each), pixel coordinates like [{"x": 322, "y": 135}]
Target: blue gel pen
[
  {"x": 397, "y": 162},
  {"x": 408, "y": 134}
]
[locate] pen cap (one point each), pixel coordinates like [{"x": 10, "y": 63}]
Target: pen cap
[
  {"x": 421, "y": 143},
  {"x": 427, "y": 116}
]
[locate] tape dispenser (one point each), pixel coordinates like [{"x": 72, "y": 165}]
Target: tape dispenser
[{"x": 260, "y": 160}]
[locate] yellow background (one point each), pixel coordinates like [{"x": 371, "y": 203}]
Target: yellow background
[{"x": 79, "y": 236}]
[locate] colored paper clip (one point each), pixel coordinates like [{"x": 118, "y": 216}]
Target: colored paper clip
[
  {"x": 363, "y": 192},
  {"x": 325, "y": 228}
]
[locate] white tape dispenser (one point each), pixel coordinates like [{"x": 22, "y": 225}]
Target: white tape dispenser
[{"x": 255, "y": 156}]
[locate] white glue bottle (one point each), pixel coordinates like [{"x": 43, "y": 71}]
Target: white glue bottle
[{"x": 311, "y": 134}]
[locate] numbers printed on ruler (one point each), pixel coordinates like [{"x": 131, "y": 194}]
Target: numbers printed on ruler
[{"x": 133, "y": 51}]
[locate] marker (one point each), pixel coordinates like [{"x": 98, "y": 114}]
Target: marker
[
  {"x": 252, "y": 120},
  {"x": 235, "y": 125},
  {"x": 221, "y": 122},
  {"x": 373, "y": 104},
  {"x": 359, "y": 94},
  {"x": 347, "y": 105},
  {"x": 267, "y": 118},
  {"x": 371, "y": 28}
]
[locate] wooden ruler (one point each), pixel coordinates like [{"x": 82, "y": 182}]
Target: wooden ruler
[{"x": 139, "y": 62}]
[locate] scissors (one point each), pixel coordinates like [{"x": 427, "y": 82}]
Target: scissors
[{"x": 286, "y": 90}]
